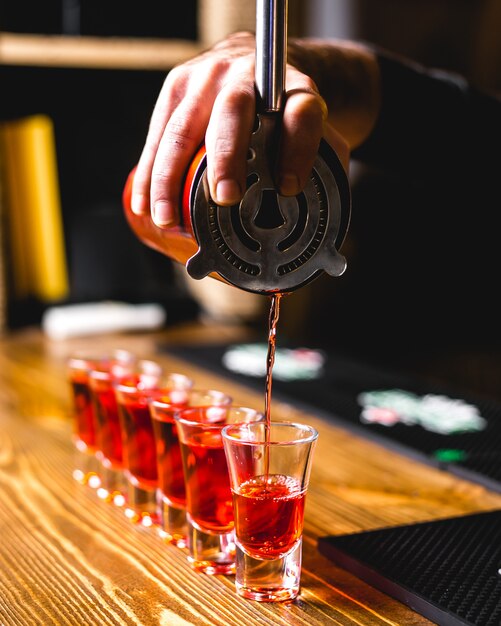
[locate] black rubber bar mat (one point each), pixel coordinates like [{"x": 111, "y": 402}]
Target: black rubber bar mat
[
  {"x": 447, "y": 570},
  {"x": 474, "y": 454}
]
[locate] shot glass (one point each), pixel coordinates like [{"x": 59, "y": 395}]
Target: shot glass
[
  {"x": 102, "y": 379},
  {"x": 171, "y": 493},
  {"x": 209, "y": 509},
  {"x": 139, "y": 453},
  {"x": 269, "y": 470},
  {"x": 84, "y": 429},
  {"x": 88, "y": 468}
]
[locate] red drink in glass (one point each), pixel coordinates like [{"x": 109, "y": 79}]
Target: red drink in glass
[
  {"x": 89, "y": 439},
  {"x": 269, "y": 514},
  {"x": 87, "y": 466},
  {"x": 269, "y": 466},
  {"x": 171, "y": 483},
  {"x": 207, "y": 482},
  {"x": 138, "y": 441},
  {"x": 108, "y": 430},
  {"x": 133, "y": 395},
  {"x": 108, "y": 436},
  {"x": 208, "y": 494},
  {"x": 169, "y": 463},
  {"x": 83, "y": 411}
]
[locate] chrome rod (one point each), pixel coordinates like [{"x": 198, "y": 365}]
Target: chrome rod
[{"x": 271, "y": 51}]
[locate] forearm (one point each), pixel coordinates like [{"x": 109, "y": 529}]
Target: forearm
[{"x": 348, "y": 78}]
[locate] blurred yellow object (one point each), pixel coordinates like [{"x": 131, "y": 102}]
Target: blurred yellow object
[
  {"x": 15, "y": 238},
  {"x": 3, "y": 271},
  {"x": 33, "y": 207}
]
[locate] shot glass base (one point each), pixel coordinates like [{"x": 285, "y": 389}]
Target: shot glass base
[
  {"x": 87, "y": 468},
  {"x": 141, "y": 507},
  {"x": 211, "y": 553},
  {"x": 276, "y": 580},
  {"x": 173, "y": 523},
  {"x": 113, "y": 486}
]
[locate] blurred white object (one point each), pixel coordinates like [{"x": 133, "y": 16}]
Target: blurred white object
[
  {"x": 221, "y": 302},
  {"x": 291, "y": 364},
  {"x": 96, "y": 318}
]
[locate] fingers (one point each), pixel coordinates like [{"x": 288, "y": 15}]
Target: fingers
[
  {"x": 176, "y": 130},
  {"x": 166, "y": 103},
  {"x": 182, "y": 136},
  {"x": 303, "y": 123},
  {"x": 212, "y": 99},
  {"x": 228, "y": 137}
]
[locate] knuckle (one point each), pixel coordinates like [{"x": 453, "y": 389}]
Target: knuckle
[
  {"x": 178, "y": 135},
  {"x": 309, "y": 107},
  {"x": 223, "y": 148},
  {"x": 239, "y": 96},
  {"x": 160, "y": 178},
  {"x": 177, "y": 75}
]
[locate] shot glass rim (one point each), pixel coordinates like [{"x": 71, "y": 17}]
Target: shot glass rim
[
  {"x": 101, "y": 367},
  {"x": 94, "y": 359},
  {"x": 120, "y": 386},
  {"x": 101, "y": 375},
  {"x": 160, "y": 404},
  {"x": 84, "y": 364},
  {"x": 216, "y": 425},
  {"x": 272, "y": 442}
]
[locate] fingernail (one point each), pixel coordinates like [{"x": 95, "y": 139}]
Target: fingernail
[
  {"x": 289, "y": 184},
  {"x": 163, "y": 214},
  {"x": 137, "y": 203},
  {"x": 227, "y": 191}
]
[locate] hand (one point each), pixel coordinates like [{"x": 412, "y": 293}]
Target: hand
[{"x": 211, "y": 98}]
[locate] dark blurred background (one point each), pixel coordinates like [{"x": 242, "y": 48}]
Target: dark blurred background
[
  {"x": 402, "y": 302},
  {"x": 100, "y": 120},
  {"x": 419, "y": 292}
]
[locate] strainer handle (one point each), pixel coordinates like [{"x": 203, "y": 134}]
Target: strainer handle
[{"x": 271, "y": 52}]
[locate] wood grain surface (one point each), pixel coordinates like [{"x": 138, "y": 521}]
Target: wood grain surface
[{"x": 68, "y": 558}]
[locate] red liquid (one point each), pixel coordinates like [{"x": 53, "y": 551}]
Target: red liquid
[
  {"x": 270, "y": 361},
  {"x": 109, "y": 435},
  {"x": 270, "y": 358},
  {"x": 269, "y": 515},
  {"x": 139, "y": 443},
  {"x": 208, "y": 493},
  {"x": 85, "y": 430},
  {"x": 169, "y": 462}
]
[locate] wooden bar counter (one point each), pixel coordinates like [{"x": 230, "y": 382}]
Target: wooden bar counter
[{"x": 68, "y": 558}]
